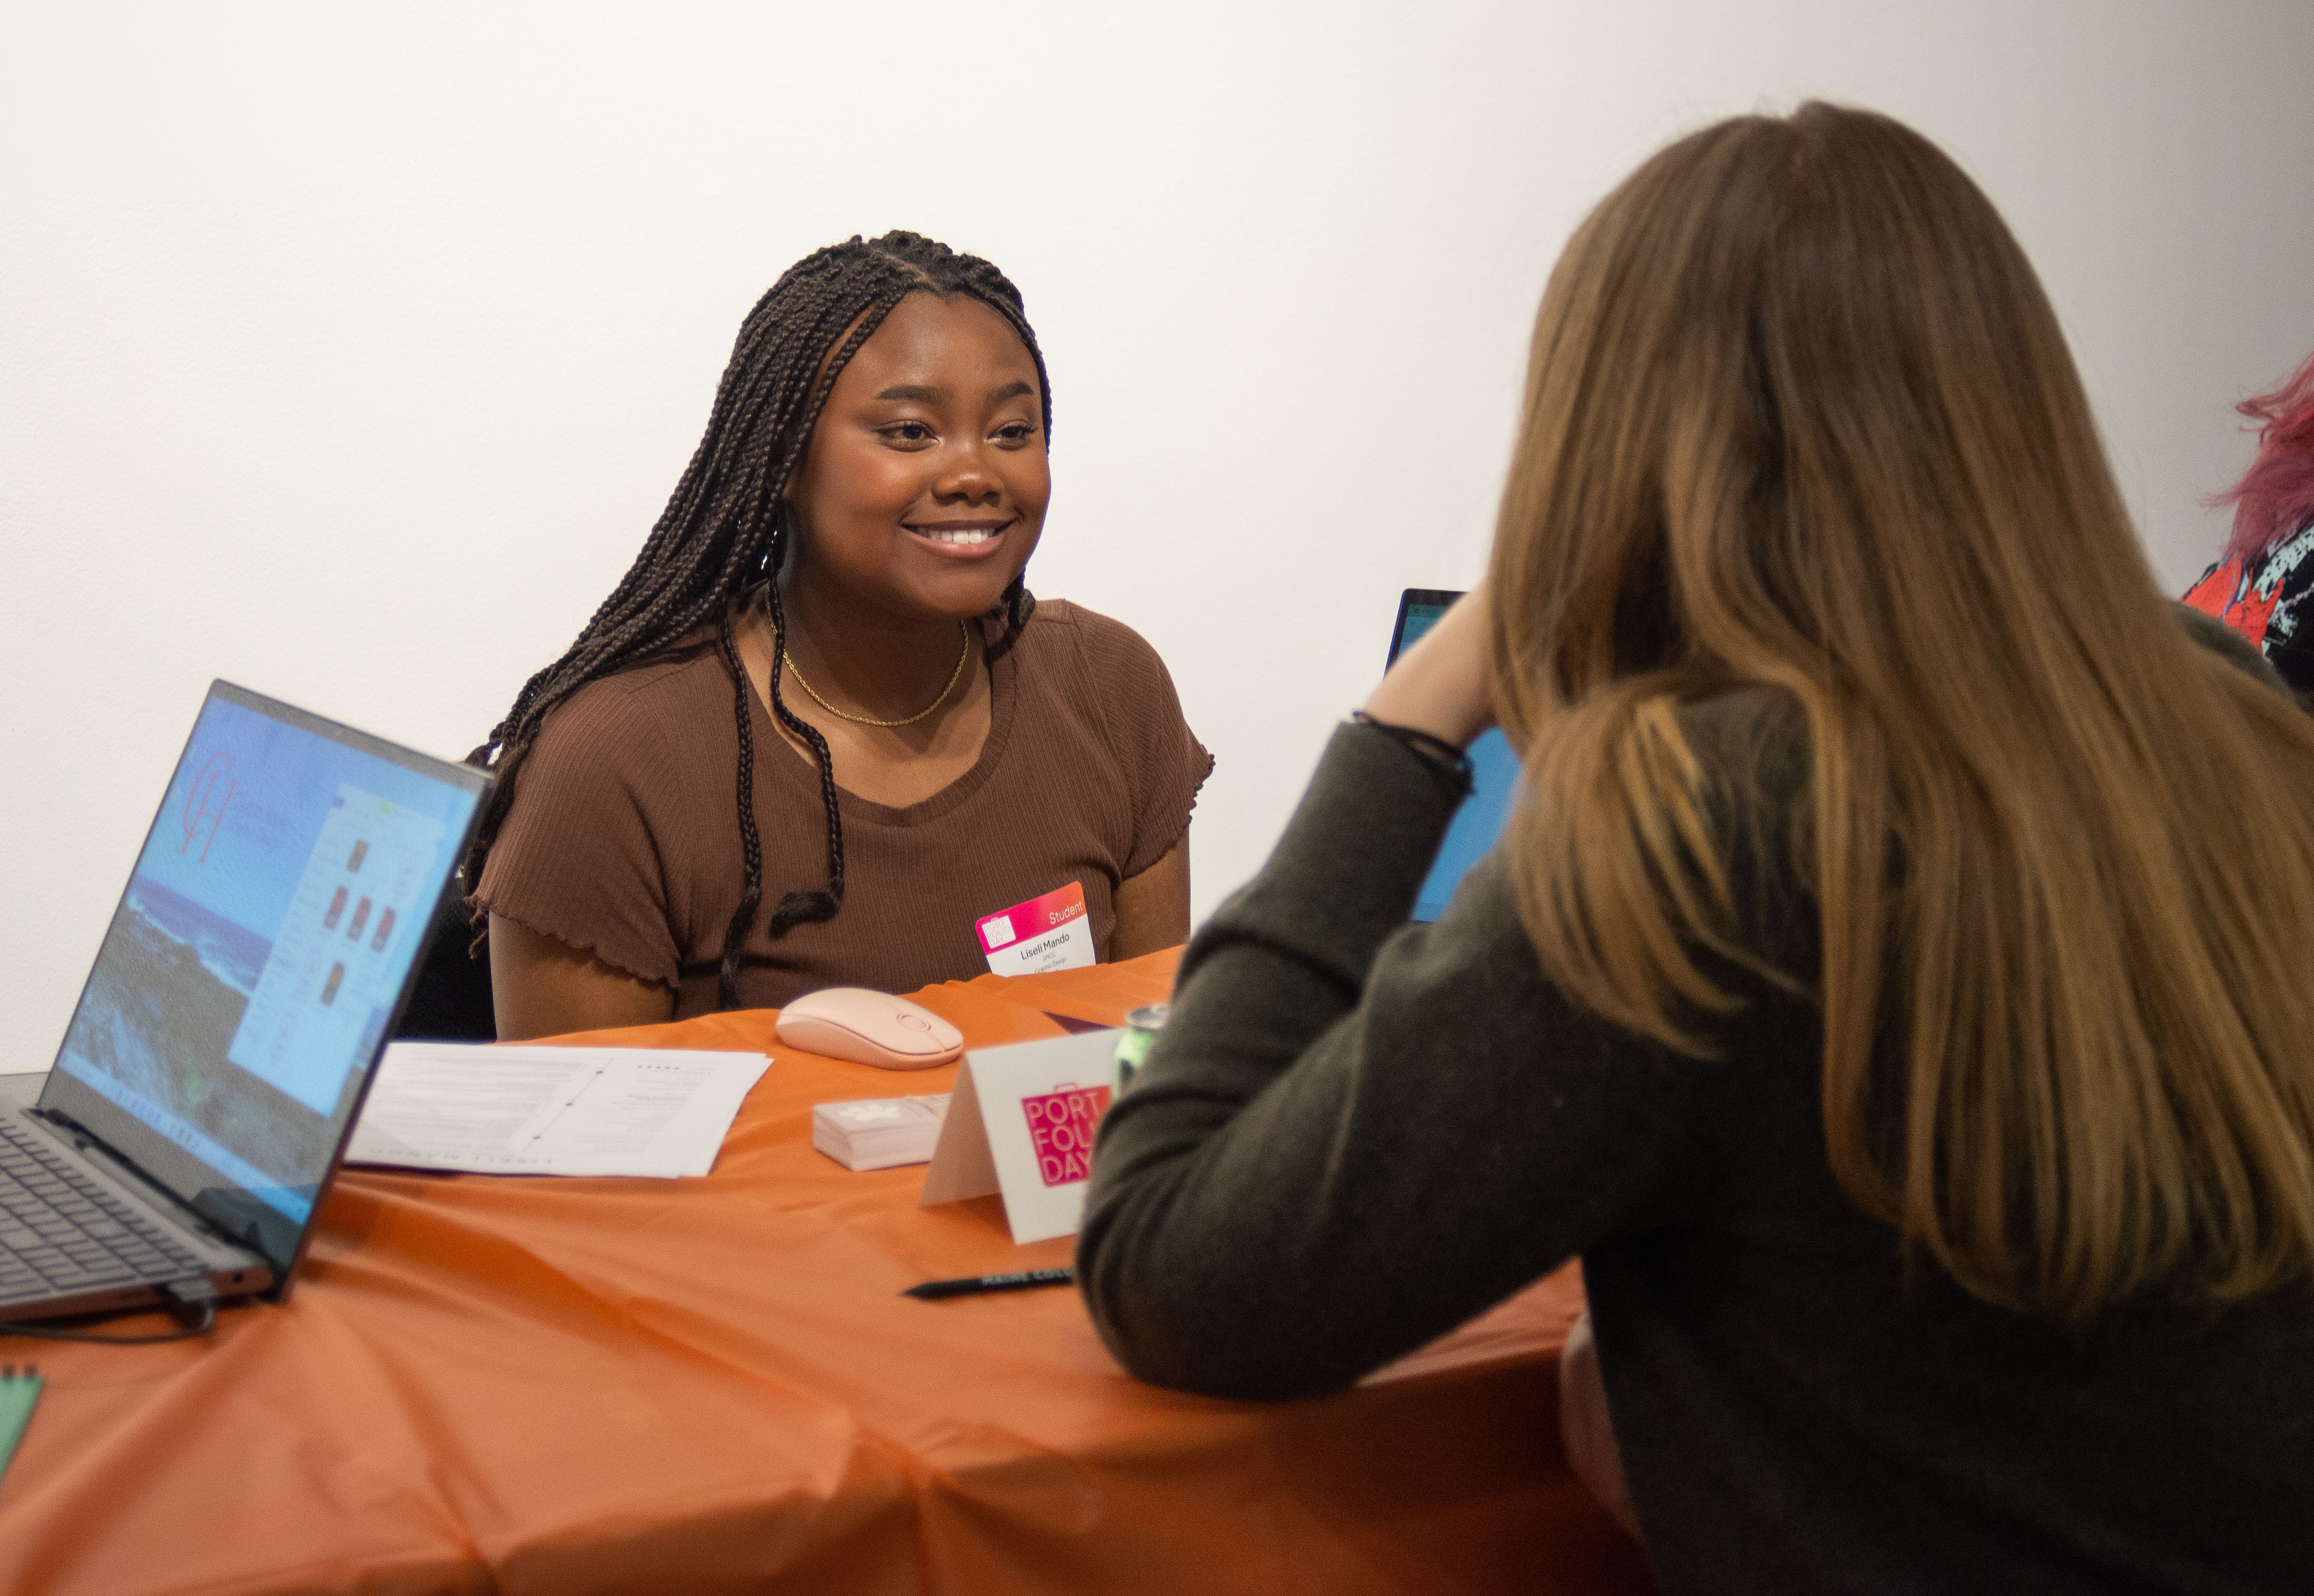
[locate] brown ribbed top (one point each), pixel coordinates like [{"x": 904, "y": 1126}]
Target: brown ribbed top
[{"x": 622, "y": 838}]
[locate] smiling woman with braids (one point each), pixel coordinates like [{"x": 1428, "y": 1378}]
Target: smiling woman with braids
[{"x": 854, "y": 524}]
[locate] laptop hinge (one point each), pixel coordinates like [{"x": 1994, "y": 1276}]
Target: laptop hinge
[{"x": 88, "y": 1143}]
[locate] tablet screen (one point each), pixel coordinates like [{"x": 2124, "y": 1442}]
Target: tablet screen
[{"x": 1494, "y": 771}]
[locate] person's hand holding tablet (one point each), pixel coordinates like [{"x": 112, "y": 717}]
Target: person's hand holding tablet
[{"x": 1439, "y": 685}]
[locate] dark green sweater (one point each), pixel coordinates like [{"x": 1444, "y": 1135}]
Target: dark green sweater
[{"x": 1356, "y": 1134}]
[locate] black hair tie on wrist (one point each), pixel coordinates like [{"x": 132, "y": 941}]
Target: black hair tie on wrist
[{"x": 1449, "y": 764}]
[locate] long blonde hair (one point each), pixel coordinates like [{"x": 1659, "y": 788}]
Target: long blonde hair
[{"x": 1800, "y": 417}]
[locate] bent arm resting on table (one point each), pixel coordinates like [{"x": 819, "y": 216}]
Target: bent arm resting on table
[
  {"x": 541, "y": 986},
  {"x": 1153, "y": 908},
  {"x": 1354, "y": 1134}
]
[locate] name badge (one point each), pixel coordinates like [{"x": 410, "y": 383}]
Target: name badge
[{"x": 1052, "y": 933}]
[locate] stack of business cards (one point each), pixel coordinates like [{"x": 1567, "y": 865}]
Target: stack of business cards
[{"x": 878, "y": 1132}]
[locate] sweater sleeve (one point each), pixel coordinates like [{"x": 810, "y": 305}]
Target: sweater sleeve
[
  {"x": 1354, "y": 1133},
  {"x": 2228, "y": 645}
]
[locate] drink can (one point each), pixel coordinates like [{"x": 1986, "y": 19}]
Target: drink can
[{"x": 1133, "y": 1044}]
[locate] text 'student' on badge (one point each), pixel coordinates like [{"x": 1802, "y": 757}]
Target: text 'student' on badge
[{"x": 1052, "y": 933}]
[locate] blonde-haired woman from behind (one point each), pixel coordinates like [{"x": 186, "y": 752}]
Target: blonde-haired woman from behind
[{"x": 1888, "y": 983}]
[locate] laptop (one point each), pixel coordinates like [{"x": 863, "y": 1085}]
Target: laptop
[
  {"x": 1494, "y": 769},
  {"x": 238, "y": 1006}
]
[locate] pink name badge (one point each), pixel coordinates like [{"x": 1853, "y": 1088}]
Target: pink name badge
[{"x": 1052, "y": 933}]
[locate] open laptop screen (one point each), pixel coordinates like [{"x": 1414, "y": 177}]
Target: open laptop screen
[
  {"x": 258, "y": 956},
  {"x": 1494, "y": 769}
]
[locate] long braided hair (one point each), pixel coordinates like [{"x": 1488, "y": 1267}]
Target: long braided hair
[{"x": 725, "y": 529}]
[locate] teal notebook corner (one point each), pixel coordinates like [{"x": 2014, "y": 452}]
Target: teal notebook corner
[{"x": 20, "y": 1388}]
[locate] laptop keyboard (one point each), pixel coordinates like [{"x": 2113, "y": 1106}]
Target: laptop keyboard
[{"x": 60, "y": 1231}]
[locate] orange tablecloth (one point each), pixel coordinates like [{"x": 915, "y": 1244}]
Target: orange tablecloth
[{"x": 504, "y": 1385}]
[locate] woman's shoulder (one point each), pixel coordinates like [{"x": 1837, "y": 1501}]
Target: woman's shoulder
[
  {"x": 1067, "y": 619},
  {"x": 2229, "y": 644},
  {"x": 1760, "y": 730},
  {"x": 688, "y": 673},
  {"x": 644, "y": 709},
  {"x": 1089, "y": 679},
  {"x": 1751, "y": 732},
  {"x": 1116, "y": 659}
]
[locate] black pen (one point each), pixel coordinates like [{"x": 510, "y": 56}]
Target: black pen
[{"x": 1019, "y": 1280}]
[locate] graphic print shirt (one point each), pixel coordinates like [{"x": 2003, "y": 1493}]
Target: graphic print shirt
[{"x": 2264, "y": 598}]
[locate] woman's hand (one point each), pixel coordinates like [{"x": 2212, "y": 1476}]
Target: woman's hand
[{"x": 1439, "y": 685}]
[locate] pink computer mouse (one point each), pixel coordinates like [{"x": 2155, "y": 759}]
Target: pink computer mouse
[{"x": 869, "y": 1027}]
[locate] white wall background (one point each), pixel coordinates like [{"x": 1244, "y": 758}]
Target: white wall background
[{"x": 349, "y": 351}]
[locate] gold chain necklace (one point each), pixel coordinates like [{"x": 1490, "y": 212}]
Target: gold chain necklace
[{"x": 963, "y": 652}]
